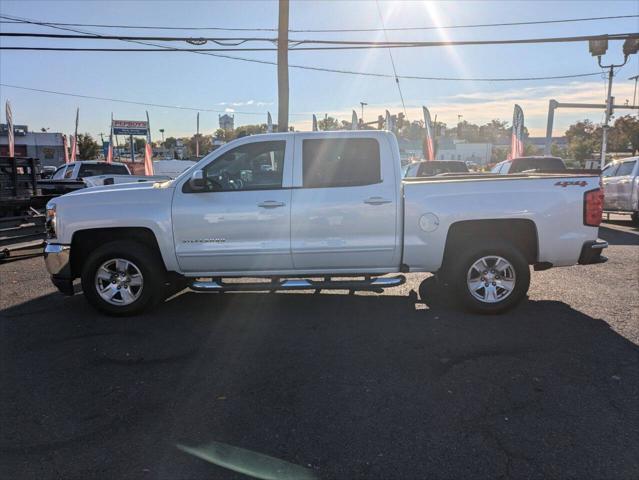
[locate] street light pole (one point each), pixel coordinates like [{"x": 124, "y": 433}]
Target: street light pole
[
  {"x": 634, "y": 95},
  {"x": 604, "y": 133},
  {"x": 609, "y": 105},
  {"x": 363, "y": 104},
  {"x": 598, "y": 47}
]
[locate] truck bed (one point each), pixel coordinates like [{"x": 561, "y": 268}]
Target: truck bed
[{"x": 493, "y": 176}]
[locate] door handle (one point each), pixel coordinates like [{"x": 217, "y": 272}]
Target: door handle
[
  {"x": 376, "y": 201},
  {"x": 270, "y": 204}
]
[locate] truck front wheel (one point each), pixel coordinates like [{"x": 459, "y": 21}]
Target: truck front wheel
[
  {"x": 490, "y": 277},
  {"x": 123, "y": 278}
]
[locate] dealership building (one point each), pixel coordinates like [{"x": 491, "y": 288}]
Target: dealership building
[{"x": 46, "y": 146}]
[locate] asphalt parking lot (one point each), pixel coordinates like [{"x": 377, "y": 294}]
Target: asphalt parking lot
[{"x": 337, "y": 386}]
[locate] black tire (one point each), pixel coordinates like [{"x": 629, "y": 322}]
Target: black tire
[
  {"x": 457, "y": 276},
  {"x": 635, "y": 218},
  {"x": 148, "y": 263}
]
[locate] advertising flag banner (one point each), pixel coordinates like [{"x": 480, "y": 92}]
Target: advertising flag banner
[
  {"x": 429, "y": 150},
  {"x": 269, "y": 123},
  {"x": 65, "y": 147},
  {"x": 74, "y": 138},
  {"x": 148, "y": 159},
  {"x": 517, "y": 140},
  {"x": 354, "y": 121},
  {"x": 109, "y": 155},
  {"x": 10, "y": 135},
  {"x": 197, "y": 136},
  {"x": 388, "y": 121},
  {"x": 315, "y": 123},
  {"x": 74, "y": 147}
]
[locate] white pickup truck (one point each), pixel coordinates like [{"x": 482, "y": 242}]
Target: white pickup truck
[{"x": 320, "y": 210}]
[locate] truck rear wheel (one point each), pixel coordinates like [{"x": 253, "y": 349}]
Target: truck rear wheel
[
  {"x": 123, "y": 278},
  {"x": 491, "y": 277}
]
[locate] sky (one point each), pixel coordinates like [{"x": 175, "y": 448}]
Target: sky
[{"x": 249, "y": 90}]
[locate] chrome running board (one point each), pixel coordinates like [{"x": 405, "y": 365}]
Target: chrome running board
[{"x": 376, "y": 284}]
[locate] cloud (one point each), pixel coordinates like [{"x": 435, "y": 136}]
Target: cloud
[
  {"x": 245, "y": 103},
  {"x": 229, "y": 110}
]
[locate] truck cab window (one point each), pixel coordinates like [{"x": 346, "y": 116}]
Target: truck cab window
[
  {"x": 59, "y": 173},
  {"x": 337, "y": 162},
  {"x": 610, "y": 170},
  {"x": 626, "y": 168},
  {"x": 253, "y": 166}
]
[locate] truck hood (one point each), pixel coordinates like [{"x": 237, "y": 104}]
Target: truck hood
[{"x": 121, "y": 187}]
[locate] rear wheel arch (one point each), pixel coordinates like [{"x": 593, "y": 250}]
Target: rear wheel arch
[{"x": 520, "y": 233}]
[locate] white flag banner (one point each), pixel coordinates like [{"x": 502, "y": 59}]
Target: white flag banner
[
  {"x": 354, "y": 121},
  {"x": 10, "y": 136}
]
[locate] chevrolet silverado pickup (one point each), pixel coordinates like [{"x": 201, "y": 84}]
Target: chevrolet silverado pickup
[{"x": 314, "y": 211}]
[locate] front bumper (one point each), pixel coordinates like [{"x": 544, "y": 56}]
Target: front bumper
[
  {"x": 591, "y": 252},
  {"x": 57, "y": 259}
]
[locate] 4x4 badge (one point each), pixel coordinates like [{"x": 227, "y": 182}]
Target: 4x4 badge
[{"x": 579, "y": 183}]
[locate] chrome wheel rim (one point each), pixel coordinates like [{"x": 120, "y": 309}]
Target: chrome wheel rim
[
  {"x": 119, "y": 282},
  {"x": 491, "y": 279}
]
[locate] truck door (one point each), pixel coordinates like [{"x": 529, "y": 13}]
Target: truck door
[
  {"x": 241, "y": 221},
  {"x": 609, "y": 181},
  {"x": 625, "y": 184},
  {"x": 345, "y": 213}
]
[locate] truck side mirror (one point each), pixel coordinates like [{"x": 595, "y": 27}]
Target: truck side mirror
[{"x": 197, "y": 181}]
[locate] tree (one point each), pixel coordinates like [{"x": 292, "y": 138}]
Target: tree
[
  {"x": 328, "y": 123},
  {"x": 558, "y": 151},
  {"x": 206, "y": 144},
  {"x": 139, "y": 143},
  {"x": 530, "y": 150},
  {"x": 494, "y": 131},
  {"x": 583, "y": 140},
  {"x": 88, "y": 149},
  {"x": 624, "y": 135},
  {"x": 170, "y": 142}
]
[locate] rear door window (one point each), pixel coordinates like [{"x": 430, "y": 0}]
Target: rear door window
[
  {"x": 626, "y": 168},
  {"x": 340, "y": 162},
  {"x": 610, "y": 170}
]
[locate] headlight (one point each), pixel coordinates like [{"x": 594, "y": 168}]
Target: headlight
[{"x": 50, "y": 221}]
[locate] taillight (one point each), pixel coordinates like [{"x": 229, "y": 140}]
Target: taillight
[{"x": 593, "y": 207}]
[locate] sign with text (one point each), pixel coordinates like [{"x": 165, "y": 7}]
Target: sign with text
[{"x": 130, "y": 127}]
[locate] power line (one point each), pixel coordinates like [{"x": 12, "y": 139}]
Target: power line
[
  {"x": 334, "y": 44},
  {"x": 132, "y": 102},
  {"x": 390, "y": 53},
  {"x": 330, "y": 30},
  {"x": 323, "y": 69}
]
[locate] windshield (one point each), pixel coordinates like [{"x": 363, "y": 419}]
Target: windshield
[
  {"x": 537, "y": 163},
  {"x": 93, "y": 169},
  {"x": 435, "y": 168}
]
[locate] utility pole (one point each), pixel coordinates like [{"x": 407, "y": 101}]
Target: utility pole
[
  {"x": 605, "y": 127},
  {"x": 363, "y": 104},
  {"x": 598, "y": 47},
  {"x": 634, "y": 95},
  {"x": 282, "y": 67}
]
